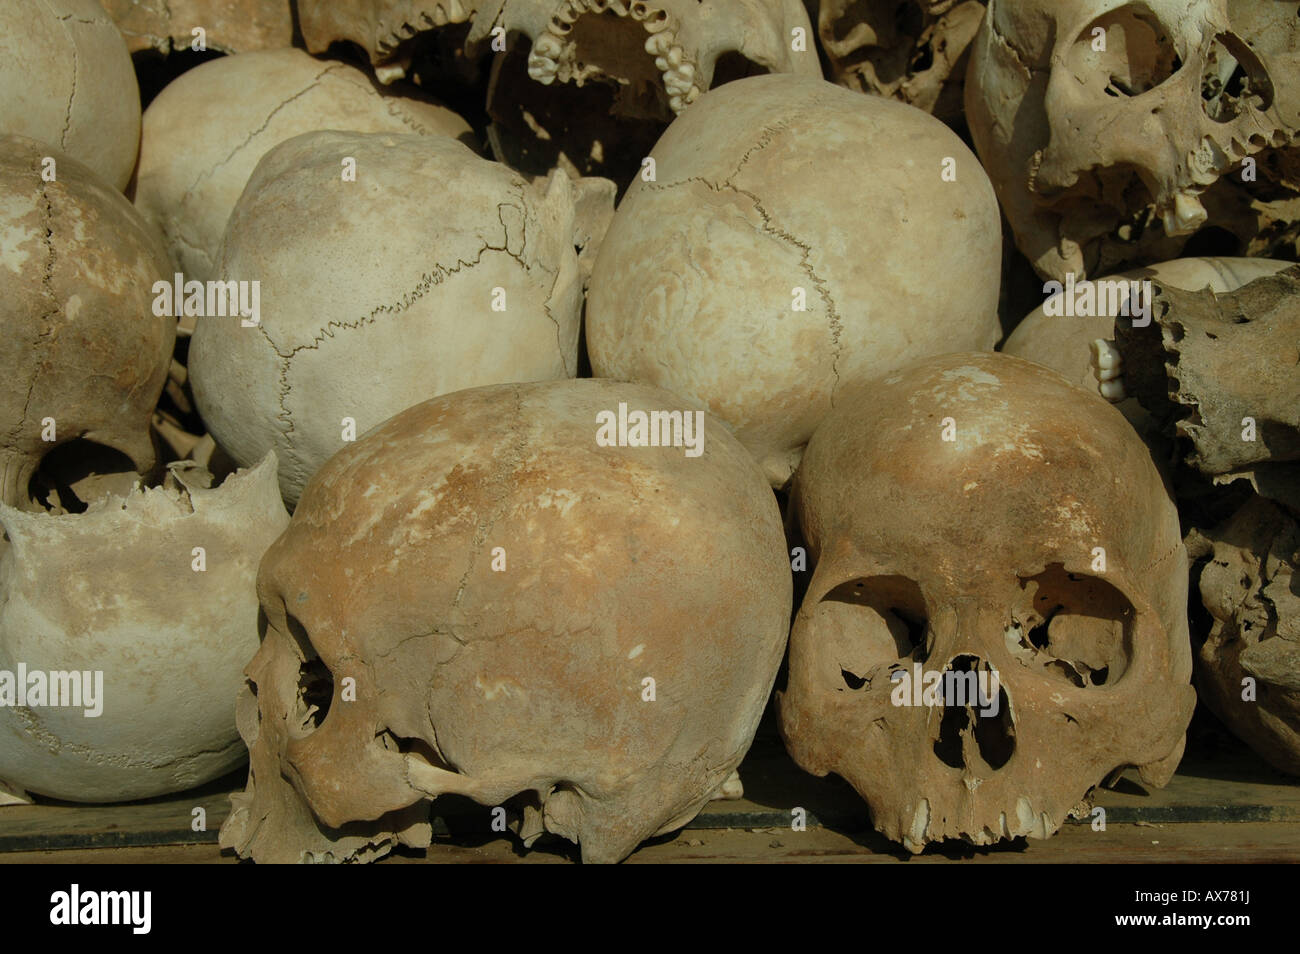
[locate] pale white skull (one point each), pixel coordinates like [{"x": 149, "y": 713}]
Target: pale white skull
[
  {"x": 1038, "y": 543},
  {"x": 365, "y": 314},
  {"x": 1103, "y": 123},
  {"x": 66, "y": 79},
  {"x": 787, "y": 249},
  {"x": 205, "y": 132},
  {"x": 83, "y": 354},
  {"x": 155, "y": 591},
  {"x": 913, "y": 50},
  {"x": 478, "y": 598}
]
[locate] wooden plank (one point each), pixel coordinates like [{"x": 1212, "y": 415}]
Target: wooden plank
[
  {"x": 1229, "y": 786},
  {"x": 1204, "y": 843}
]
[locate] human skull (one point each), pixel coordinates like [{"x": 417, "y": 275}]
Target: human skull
[
  {"x": 412, "y": 570},
  {"x": 205, "y": 132},
  {"x": 662, "y": 50},
  {"x": 232, "y": 27},
  {"x": 491, "y": 294},
  {"x": 155, "y": 591},
  {"x": 84, "y": 356},
  {"x": 913, "y": 50},
  {"x": 737, "y": 277},
  {"x": 1064, "y": 342},
  {"x": 1220, "y": 371},
  {"x": 583, "y": 85},
  {"x": 1087, "y": 145},
  {"x": 1248, "y": 668},
  {"x": 66, "y": 79},
  {"x": 1038, "y": 543}
]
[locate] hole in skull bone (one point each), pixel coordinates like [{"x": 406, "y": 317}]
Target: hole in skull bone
[
  {"x": 1139, "y": 54},
  {"x": 1072, "y": 627},
  {"x": 315, "y": 681},
  {"x": 77, "y": 473},
  {"x": 1233, "y": 80},
  {"x": 408, "y": 745},
  {"x": 973, "y": 736}
]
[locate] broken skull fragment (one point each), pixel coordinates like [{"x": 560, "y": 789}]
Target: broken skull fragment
[{"x": 1221, "y": 369}]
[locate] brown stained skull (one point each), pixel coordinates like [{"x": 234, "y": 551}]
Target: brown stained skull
[
  {"x": 1248, "y": 668},
  {"x": 1116, "y": 129},
  {"x": 912, "y": 50},
  {"x": 1039, "y": 543},
  {"x": 500, "y": 587},
  {"x": 84, "y": 356}
]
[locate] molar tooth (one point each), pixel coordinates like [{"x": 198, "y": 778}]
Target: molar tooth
[
  {"x": 679, "y": 81},
  {"x": 693, "y": 94},
  {"x": 456, "y": 13},
  {"x": 658, "y": 43},
  {"x": 439, "y": 16},
  {"x": 542, "y": 70},
  {"x": 674, "y": 57},
  {"x": 676, "y": 104},
  {"x": 547, "y": 46}
]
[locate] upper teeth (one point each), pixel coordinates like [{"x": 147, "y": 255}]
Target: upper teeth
[{"x": 546, "y": 60}]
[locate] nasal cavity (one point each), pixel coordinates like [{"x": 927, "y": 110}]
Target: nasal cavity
[{"x": 977, "y": 730}]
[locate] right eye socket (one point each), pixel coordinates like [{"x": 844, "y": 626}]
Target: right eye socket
[
  {"x": 1138, "y": 53},
  {"x": 868, "y": 623}
]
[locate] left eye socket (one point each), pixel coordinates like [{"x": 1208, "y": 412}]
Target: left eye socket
[{"x": 1075, "y": 627}]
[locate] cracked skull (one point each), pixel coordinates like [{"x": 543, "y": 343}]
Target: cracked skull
[
  {"x": 1106, "y": 124},
  {"x": 205, "y": 132},
  {"x": 606, "y": 712},
  {"x": 797, "y": 238},
  {"x": 985, "y": 524},
  {"x": 492, "y": 294},
  {"x": 66, "y": 79},
  {"x": 913, "y": 50},
  {"x": 85, "y": 358}
]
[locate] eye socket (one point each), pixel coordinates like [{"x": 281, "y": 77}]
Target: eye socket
[
  {"x": 871, "y": 622},
  {"x": 1124, "y": 53},
  {"x": 315, "y": 683},
  {"x": 1072, "y": 627},
  {"x": 1234, "y": 78}
]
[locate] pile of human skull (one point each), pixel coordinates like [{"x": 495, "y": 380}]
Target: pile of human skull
[{"x": 455, "y": 403}]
